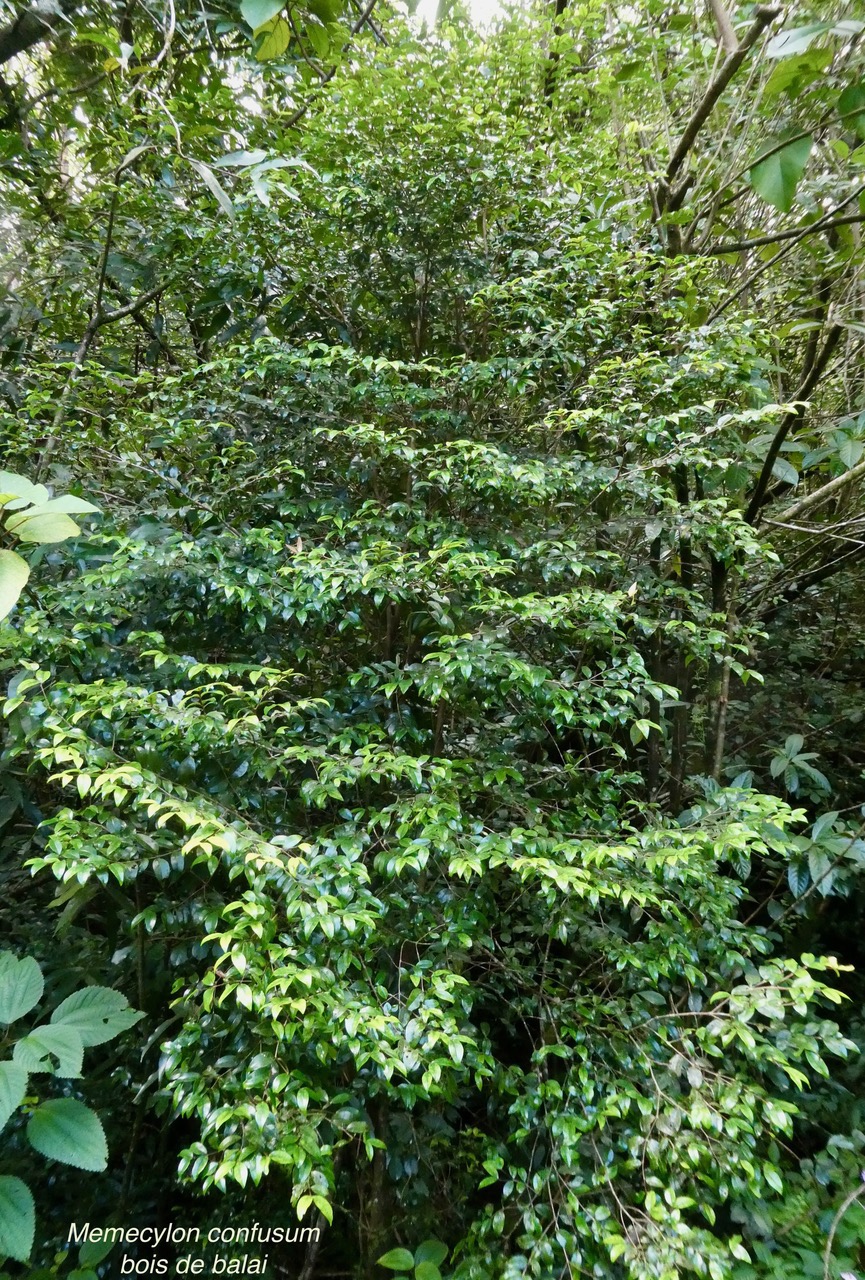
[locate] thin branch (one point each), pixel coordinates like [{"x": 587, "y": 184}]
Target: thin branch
[
  {"x": 821, "y": 495},
  {"x": 725, "y": 25},
  {"x": 730, "y": 66},
  {"x": 809, "y": 382},
  {"x": 331, "y": 71},
  {"x": 797, "y": 233},
  {"x": 38, "y": 22},
  {"x": 836, "y": 1222},
  {"x": 791, "y": 243}
]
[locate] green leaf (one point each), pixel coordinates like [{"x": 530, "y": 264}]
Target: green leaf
[
  {"x": 34, "y": 1051},
  {"x": 318, "y": 38},
  {"x": 851, "y": 105},
  {"x": 214, "y": 186},
  {"x": 797, "y": 40},
  {"x": 850, "y": 452},
  {"x": 63, "y": 505},
  {"x": 92, "y": 1252},
  {"x": 782, "y": 470},
  {"x": 819, "y": 864},
  {"x": 777, "y": 177},
  {"x": 257, "y": 12},
  {"x": 427, "y": 1271},
  {"x": 431, "y": 1251},
  {"x": 397, "y": 1260},
  {"x": 17, "y": 1219},
  {"x": 794, "y": 74},
  {"x": 823, "y": 823},
  {"x": 798, "y": 878},
  {"x": 14, "y": 573},
  {"x": 15, "y": 486},
  {"x": 240, "y": 159},
  {"x": 274, "y": 38},
  {"x": 21, "y": 986},
  {"x": 96, "y": 1013},
  {"x": 13, "y": 1086},
  {"x": 54, "y": 527},
  {"x": 64, "y": 1129}
]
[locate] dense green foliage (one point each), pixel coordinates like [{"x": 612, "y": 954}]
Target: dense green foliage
[{"x": 446, "y": 734}]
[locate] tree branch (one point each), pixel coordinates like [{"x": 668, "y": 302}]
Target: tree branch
[
  {"x": 821, "y": 495},
  {"x": 797, "y": 233},
  {"x": 730, "y": 66},
  {"x": 809, "y": 382},
  {"x": 724, "y": 24},
  {"x": 39, "y": 21}
]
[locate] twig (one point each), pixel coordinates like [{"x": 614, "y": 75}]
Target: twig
[
  {"x": 819, "y": 496},
  {"x": 730, "y": 66},
  {"x": 741, "y": 246},
  {"x": 809, "y": 382}
]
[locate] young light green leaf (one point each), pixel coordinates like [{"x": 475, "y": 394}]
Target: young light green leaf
[
  {"x": 54, "y": 527},
  {"x": 35, "y": 1051},
  {"x": 272, "y": 39},
  {"x": 97, "y": 1014},
  {"x": 21, "y": 986},
  {"x": 13, "y": 1086},
  {"x": 14, "y": 573},
  {"x": 427, "y": 1271},
  {"x": 64, "y": 1129},
  {"x": 17, "y": 1219}
]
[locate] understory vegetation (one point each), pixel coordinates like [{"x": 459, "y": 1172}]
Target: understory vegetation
[{"x": 434, "y": 748}]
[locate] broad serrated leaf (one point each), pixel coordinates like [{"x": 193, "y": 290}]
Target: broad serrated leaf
[
  {"x": 13, "y": 1086},
  {"x": 21, "y": 986},
  {"x": 65, "y": 1129},
  {"x": 397, "y": 1260},
  {"x": 36, "y": 1051},
  {"x": 17, "y": 1219},
  {"x": 54, "y": 527},
  {"x": 257, "y": 12},
  {"x": 97, "y": 1014},
  {"x": 14, "y": 573},
  {"x": 777, "y": 177}
]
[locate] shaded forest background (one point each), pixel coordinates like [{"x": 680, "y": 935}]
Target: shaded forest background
[{"x": 449, "y": 734}]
